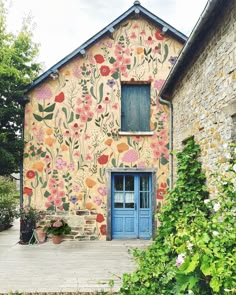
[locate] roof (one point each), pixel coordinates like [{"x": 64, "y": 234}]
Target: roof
[
  {"x": 192, "y": 46},
  {"x": 136, "y": 9}
]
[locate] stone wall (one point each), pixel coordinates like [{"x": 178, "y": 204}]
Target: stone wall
[{"x": 204, "y": 101}]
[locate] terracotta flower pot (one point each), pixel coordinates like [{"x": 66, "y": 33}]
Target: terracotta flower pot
[
  {"x": 41, "y": 235},
  {"x": 57, "y": 239}
]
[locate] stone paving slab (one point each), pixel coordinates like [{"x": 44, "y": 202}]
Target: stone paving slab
[{"x": 72, "y": 266}]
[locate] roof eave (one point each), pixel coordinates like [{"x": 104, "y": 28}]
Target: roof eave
[{"x": 135, "y": 9}]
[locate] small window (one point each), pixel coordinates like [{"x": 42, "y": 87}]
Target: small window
[{"x": 135, "y": 107}]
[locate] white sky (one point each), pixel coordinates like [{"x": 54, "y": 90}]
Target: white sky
[{"x": 63, "y": 25}]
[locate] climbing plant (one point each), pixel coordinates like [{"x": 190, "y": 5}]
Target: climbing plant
[{"x": 194, "y": 251}]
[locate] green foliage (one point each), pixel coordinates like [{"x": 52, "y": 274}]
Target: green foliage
[
  {"x": 8, "y": 203},
  {"x": 57, "y": 226},
  {"x": 194, "y": 251},
  {"x": 17, "y": 70}
]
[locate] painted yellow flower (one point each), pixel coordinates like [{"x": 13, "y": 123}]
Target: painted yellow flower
[
  {"x": 108, "y": 141},
  {"x": 49, "y": 141},
  {"x": 121, "y": 147},
  {"x": 90, "y": 183},
  {"x": 38, "y": 166},
  {"x": 139, "y": 50},
  {"x": 64, "y": 148},
  {"x": 49, "y": 131}
]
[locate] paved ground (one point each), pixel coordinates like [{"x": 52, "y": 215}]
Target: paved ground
[{"x": 72, "y": 266}]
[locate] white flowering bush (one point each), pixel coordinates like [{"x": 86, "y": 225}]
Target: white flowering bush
[{"x": 194, "y": 251}]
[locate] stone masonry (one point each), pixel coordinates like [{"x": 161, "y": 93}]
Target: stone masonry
[{"x": 204, "y": 100}]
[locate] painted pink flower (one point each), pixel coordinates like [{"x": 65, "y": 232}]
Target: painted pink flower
[
  {"x": 158, "y": 84},
  {"x": 141, "y": 165},
  {"x": 57, "y": 223},
  {"x": 58, "y": 202},
  {"x": 47, "y": 205},
  {"x": 102, "y": 191},
  {"x": 106, "y": 100},
  {"x": 157, "y": 154},
  {"x": 133, "y": 35},
  {"x": 61, "y": 194},
  {"x": 88, "y": 157},
  {"x": 43, "y": 93},
  {"x": 50, "y": 198},
  {"x": 77, "y": 71},
  {"x": 86, "y": 137},
  {"x": 60, "y": 163},
  {"x": 97, "y": 200},
  {"x": 130, "y": 156},
  {"x": 142, "y": 32},
  {"x": 115, "y": 106},
  {"x": 149, "y": 41},
  {"x": 54, "y": 191},
  {"x": 100, "y": 109},
  {"x": 83, "y": 118}
]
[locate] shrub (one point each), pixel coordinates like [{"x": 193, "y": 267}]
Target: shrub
[
  {"x": 194, "y": 252},
  {"x": 8, "y": 203}
]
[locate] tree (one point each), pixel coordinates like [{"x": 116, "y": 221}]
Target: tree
[{"x": 17, "y": 69}]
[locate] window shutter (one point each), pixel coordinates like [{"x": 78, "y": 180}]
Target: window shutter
[{"x": 135, "y": 107}]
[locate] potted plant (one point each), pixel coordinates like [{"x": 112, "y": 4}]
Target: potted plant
[
  {"x": 57, "y": 227},
  {"x": 28, "y": 218}
]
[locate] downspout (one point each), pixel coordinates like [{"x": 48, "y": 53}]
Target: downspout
[
  {"x": 166, "y": 102},
  {"x": 23, "y": 102}
]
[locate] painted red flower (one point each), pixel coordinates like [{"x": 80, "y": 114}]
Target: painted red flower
[
  {"x": 103, "y": 159},
  {"x": 161, "y": 191},
  {"x": 100, "y": 218},
  {"x": 27, "y": 191},
  {"x": 99, "y": 58},
  {"x": 158, "y": 35},
  {"x": 60, "y": 97},
  {"x": 30, "y": 174},
  {"x": 103, "y": 229},
  {"x": 105, "y": 70}
]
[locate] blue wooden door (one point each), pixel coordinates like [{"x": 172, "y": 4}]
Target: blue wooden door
[{"x": 131, "y": 205}]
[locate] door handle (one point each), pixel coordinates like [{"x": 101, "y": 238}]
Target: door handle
[{"x": 135, "y": 206}]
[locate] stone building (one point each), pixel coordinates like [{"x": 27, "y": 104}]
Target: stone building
[
  {"x": 201, "y": 87},
  {"x": 96, "y": 135}
]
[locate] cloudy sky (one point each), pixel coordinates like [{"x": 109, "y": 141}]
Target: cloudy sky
[{"x": 60, "y": 26}]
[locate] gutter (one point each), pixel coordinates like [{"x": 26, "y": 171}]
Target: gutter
[
  {"x": 198, "y": 28},
  {"x": 167, "y": 102}
]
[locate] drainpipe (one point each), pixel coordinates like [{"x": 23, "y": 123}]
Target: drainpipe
[
  {"x": 166, "y": 102},
  {"x": 24, "y": 100}
]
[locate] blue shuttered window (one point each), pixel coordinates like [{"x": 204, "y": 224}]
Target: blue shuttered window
[{"x": 135, "y": 107}]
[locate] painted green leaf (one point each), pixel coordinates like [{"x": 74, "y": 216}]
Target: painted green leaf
[
  {"x": 48, "y": 117},
  {"x": 66, "y": 206},
  {"x": 51, "y": 208},
  {"x": 26, "y": 155},
  {"x": 113, "y": 161},
  {"x": 38, "y": 118},
  {"x": 40, "y": 107},
  {"x": 46, "y": 194},
  {"x": 65, "y": 111},
  {"x": 92, "y": 92},
  {"x": 71, "y": 117},
  {"x": 164, "y": 161},
  {"x": 50, "y": 108},
  {"x": 43, "y": 154},
  {"x": 115, "y": 75},
  {"x": 101, "y": 92},
  {"x": 112, "y": 60},
  {"x": 166, "y": 49}
]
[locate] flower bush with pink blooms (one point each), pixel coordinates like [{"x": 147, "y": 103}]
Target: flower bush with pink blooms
[
  {"x": 194, "y": 251},
  {"x": 57, "y": 227}
]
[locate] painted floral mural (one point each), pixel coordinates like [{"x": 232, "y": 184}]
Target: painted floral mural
[{"x": 72, "y": 123}]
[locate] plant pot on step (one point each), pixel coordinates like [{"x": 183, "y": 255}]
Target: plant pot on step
[
  {"x": 57, "y": 239},
  {"x": 41, "y": 234}
]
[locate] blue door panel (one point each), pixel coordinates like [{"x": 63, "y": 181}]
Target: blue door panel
[{"x": 131, "y": 209}]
